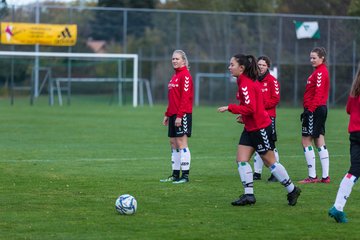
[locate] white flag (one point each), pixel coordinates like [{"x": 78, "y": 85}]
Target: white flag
[{"x": 307, "y": 30}]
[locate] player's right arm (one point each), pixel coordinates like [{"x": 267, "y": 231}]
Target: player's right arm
[{"x": 165, "y": 121}]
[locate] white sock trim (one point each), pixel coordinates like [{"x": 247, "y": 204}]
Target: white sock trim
[
  {"x": 185, "y": 158},
  {"x": 310, "y": 160},
  {"x": 246, "y": 176},
  {"x": 175, "y": 159}
]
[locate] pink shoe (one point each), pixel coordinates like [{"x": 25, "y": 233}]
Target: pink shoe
[
  {"x": 309, "y": 180},
  {"x": 325, "y": 180}
]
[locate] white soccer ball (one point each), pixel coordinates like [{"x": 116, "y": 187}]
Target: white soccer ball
[{"x": 126, "y": 204}]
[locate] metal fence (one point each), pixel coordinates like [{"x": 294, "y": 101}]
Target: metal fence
[{"x": 209, "y": 39}]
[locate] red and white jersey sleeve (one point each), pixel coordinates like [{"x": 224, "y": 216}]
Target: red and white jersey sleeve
[
  {"x": 317, "y": 88},
  {"x": 353, "y": 109},
  {"x": 180, "y": 93},
  {"x": 251, "y": 105},
  {"x": 270, "y": 89}
]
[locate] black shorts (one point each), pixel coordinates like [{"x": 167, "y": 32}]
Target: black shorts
[
  {"x": 184, "y": 129},
  {"x": 355, "y": 154},
  {"x": 260, "y": 140},
  {"x": 313, "y": 124},
  {"x": 273, "y": 128}
]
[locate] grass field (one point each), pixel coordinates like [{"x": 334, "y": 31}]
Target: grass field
[{"x": 61, "y": 169}]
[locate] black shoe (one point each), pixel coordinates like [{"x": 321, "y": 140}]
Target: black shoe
[
  {"x": 272, "y": 178},
  {"x": 181, "y": 180},
  {"x": 293, "y": 196},
  {"x": 245, "y": 199},
  {"x": 257, "y": 176},
  {"x": 170, "y": 179}
]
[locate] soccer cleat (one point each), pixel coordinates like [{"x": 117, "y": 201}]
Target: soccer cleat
[
  {"x": 257, "y": 176},
  {"x": 325, "y": 180},
  {"x": 339, "y": 216},
  {"x": 245, "y": 199},
  {"x": 309, "y": 180},
  {"x": 272, "y": 178},
  {"x": 169, "y": 179},
  {"x": 181, "y": 180},
  {"x": 293, "y": 196}
]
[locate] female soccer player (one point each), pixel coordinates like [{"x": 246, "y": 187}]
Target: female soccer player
[
  {"x": 178, "y": 117},
  {"x": 347, "y": 183},
  {"x": 270, "y": 89},
  {"x": 314, "y": 116},
  {"x": 257, "y": 132}
]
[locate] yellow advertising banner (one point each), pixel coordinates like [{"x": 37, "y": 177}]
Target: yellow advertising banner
[{"x": 42, "y": 34}]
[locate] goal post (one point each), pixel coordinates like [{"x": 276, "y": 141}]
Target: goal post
[{"x": 81, "y": 56}]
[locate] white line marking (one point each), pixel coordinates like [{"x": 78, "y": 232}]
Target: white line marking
[{"x": 138, "y": 158}]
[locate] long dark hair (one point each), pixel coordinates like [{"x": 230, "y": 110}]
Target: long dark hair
[
  {"x": 250, "y": 64},
  {"x": 355, "y": 87}
]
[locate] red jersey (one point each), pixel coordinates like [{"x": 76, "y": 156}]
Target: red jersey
[
  {"x": 251, "y": 105},
  {"x": 270, "y": 88},
  {"x": 317, "y": 88},
  {"x": 180, "y": 93},
  {"x": 353, "y": 109}
]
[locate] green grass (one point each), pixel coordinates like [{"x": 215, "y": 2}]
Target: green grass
[{"x": 61, "y": 169}]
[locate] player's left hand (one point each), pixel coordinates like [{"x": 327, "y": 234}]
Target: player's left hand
[
  {"x": 239, "y": 119},
  {"x": 178, "y": 122}
]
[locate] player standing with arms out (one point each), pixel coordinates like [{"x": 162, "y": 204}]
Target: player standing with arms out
[
  {"x": 178, "y": 117},
  {"x": 314, "y": 116},
  {"x": 257, "y": 132},
  {"x": 347, "y": 183},
  {"x": 271, "y": 93}
]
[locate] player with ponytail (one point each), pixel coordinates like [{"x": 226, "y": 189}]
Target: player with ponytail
[
  {"x": 257, "y": 132},
  {"x": 314, "y": 117},
  {"x": 178, "y": 118}
]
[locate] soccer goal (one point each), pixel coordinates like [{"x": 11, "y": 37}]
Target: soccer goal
[
  {"x": 212, "y": 82},
  {"x": 217, "y": 87},
  {"x": 62, "y": 71}
]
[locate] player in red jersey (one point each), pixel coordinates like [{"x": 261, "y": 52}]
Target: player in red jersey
[
  {"x": 270, "y": 89},
  {"x": 347, "y": 183},
  {"x": 178, "y": 117},
  {"x": 314, "y": 116},
  {"x": 257, "y": 132}
]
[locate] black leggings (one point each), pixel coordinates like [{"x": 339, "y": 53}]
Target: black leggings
[{"x": 355, "y": 154}]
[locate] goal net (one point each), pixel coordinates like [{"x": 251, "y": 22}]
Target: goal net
[{"x": 66, "y": 73}]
